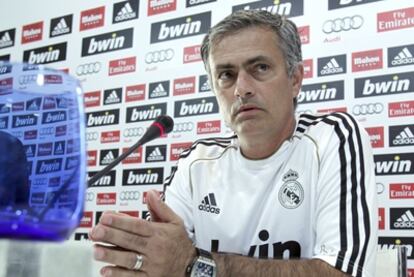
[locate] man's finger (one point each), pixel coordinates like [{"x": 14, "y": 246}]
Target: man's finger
[
  {"x": 115, "y": 256},
  {"x": 126, "y": 223},
  {"x": 124, "y": 239},
  {"x": 121, "y": 272},
  {"x": 160, "y": 212}
]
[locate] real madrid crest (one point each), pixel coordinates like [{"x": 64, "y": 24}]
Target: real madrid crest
[{"x": 291, "y": 192}]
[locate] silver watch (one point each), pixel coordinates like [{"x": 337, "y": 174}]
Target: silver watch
[{"x": 203, "y": 265}]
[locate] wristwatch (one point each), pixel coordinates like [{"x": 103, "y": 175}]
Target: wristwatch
[{"x": 203, "y": 265}]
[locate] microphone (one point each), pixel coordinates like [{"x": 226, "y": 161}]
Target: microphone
[{"x": 162, "y": 125}]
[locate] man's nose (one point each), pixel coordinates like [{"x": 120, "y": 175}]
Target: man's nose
[{"x": 244, "y": 85}]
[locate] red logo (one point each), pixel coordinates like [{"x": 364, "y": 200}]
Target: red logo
[
  {"x": 87, "y": 220},
  {"x": 208, "y": 127},
  {"x": 110, "y": 136},
  {"x": 161, "y": 6},
  {"x": 376, "y": 135},
  {"x": 395, "y": 20},
  {"x": 192, "y": 54},
  {"x": 92, "y": 157},
  {"x": 6, "y": 85},
  {"x": 135, "y": 93},
  {"x": 410, "y": 272},
  {"x": 367, "y": 60},
  {"x": 184, "y": 86},
  {"x": 397, "y": 109},
  {"x": 332, "y": 110},
  {"x": 32, "y": 32},
  {"x": 304, "y": 34},
  {"x": 144, "y": 196},
  {"x": 177, "y": 149},
  {"x": 133, "y": 158},
  {"x": 52, "y": 79},
  {"x": 92, "y": 18},
  {"x": 308, "y": 68},
  {"x": 130, "y": 213},
  {"x": 402, "y": 191},
  {"x": 92, "y": 98},
  {"x": 107, "y": 198},
  {"x": 381, "y": 218},
  {"x": 122, "y": 66}
]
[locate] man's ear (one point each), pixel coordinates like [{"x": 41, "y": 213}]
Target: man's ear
[{"x": 297, "y": 78}]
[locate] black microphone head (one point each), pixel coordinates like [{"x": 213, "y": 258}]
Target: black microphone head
[{"x": 166, "y": 122}]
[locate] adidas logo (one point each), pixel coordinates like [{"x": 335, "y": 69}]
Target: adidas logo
[
  {"x": 406, "y": 221},
  {"x": 112, "y": 98},
  {"x": 405, "y": 137},
  {"x": 59, "y": 149},
  {"x": 209, "y": 204},
  {"x": 108, "y": 158},
  {"x": 159, "y": 91},
  {"x": 404, "y": 57},
  {"x": 332, "y": 67},
  {"x": 5, "y": 40},
  {"x": 156, "y": 155},
  {"x": 205, "y": 86},
  {"x": 61, "y": 28},
  {"x": 125, "y": 13},
  {"x": 33, "y": 107},
  {"x": 30, "y": 151}
]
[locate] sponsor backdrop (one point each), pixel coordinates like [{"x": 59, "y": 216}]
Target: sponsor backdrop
[{"x": 138, "y": 59}]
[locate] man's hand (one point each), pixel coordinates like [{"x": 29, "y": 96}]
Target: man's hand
[{"x": 163, "y": 242}]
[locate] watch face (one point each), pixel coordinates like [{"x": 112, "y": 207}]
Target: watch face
[{"x": 201, "y": 269}]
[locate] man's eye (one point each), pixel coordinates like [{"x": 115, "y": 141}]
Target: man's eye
[
  {"x": 225, "y": 75},
  {"x": 262, "y": 67}
]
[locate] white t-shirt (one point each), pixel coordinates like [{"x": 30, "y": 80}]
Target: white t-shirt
[{"x": 314, "y": 198}]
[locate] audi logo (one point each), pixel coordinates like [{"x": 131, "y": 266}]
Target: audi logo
[
  {"x": 89, "y": 196},
  {"x": 91, "y": 136},
  {"x": 159, "y": 56},
  {"x": 47, "y": 131},
  {"x": 343, "y": 24},
  {"x": 371, "y": 108},
  {"x": 134, "y": 132},
  {"x": 129, "y": 195},
  {"x": 183, "y": 127},
  {"x": 27, "y": 79},
  {"x": 380, "y": 188},
  {"x": 89, "y": 68}
]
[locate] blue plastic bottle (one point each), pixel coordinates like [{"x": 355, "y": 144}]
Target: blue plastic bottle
[{"x": 42, "y": 153}]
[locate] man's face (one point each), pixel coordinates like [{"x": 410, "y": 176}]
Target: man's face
[{"x": 249, "y": 76}]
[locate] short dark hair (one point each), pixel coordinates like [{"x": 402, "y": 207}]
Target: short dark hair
[{"x": 285, "y": 30}]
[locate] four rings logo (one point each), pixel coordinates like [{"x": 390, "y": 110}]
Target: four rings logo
[
  {"x": 88, "y": 68},
  {"x": 159, "y": 56},
  {"x": 181, "y": 127},
  {"x": 92, "y": 136},
  {"x": 342, "y": 24},
  {"x": 368, "y": 109},
  {"x": 134, "y": 132},
  {"x": 129, "y": 195}
]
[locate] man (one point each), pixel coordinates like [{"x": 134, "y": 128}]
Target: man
[
  {"x": 14, "y": 175},
  {"x": 284, "y": 196}
]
